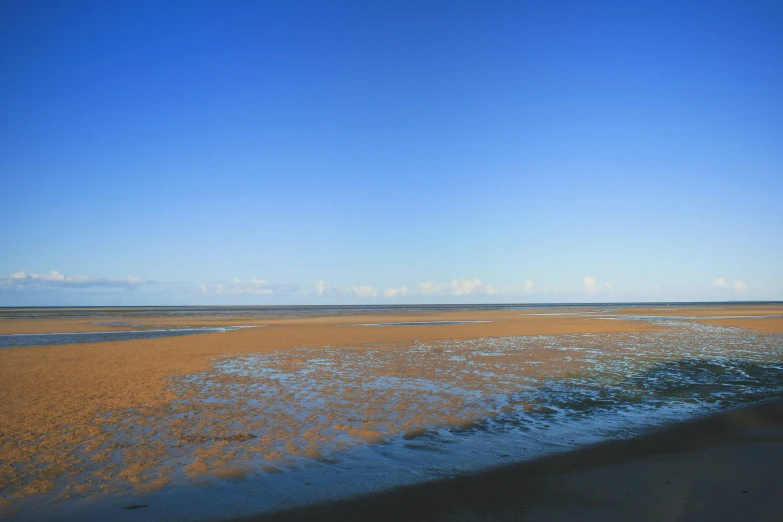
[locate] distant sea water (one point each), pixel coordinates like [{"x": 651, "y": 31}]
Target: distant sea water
[{"x": 65, "y": 312}]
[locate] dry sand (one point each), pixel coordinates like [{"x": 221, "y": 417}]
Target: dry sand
[{"x": 724, "y": 467}]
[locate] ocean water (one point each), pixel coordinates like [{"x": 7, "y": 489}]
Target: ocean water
[
  {"x": 298, "y": 311},
  {"x": 260, "y": 432}
]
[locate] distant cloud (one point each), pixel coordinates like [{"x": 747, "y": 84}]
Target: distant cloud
[
  {"x": 251, "y": 287},
  {"x": 454, "y": 288},
  {"x": 395, "y": 292},
  {"x": 364, "y": 291},
  {"x": 720, "y": 283},
  {"x": 55, "y": 279},
  {"x": 739, "y": 287},
  {"x": 465, "y": 287},
  {"x": 457, "y": 287},
  {"x": 326, "y": 290},
  {"x": 592, "y": 286}
]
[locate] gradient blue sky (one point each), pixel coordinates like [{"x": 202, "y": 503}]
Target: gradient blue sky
[{"x": 336, "y": 152}]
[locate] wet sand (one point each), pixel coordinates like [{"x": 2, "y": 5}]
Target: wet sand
[
  {"x": 547, "y": 320},
  {"x": 37, "y": 326},
  {"x": 762, "y": 324},
  {"x": 56, "y": 384},
  {"x": 723, "y": 467},
  {"x": 57, "y": 398},
  {"x": 49, "y": 389},
  {"x": 699, "y": 310}
]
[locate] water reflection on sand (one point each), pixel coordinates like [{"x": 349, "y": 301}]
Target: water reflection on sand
[
  {"x": 422, "y": 410},
  {"x": 51, "y": 339}
]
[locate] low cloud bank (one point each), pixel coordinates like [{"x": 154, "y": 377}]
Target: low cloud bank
[
  {"x": 251, "y": 287},
  {"x": 455, "y": 288},
  {"x": 55, "y": 279}
]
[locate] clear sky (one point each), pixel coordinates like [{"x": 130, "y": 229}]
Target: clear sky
[{"x": 390, "y": 152}]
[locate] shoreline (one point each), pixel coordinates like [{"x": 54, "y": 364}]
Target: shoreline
[{"x": 723, "y": 466}]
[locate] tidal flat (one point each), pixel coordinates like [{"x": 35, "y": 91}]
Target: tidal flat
[{"x": 285, "y": 408}]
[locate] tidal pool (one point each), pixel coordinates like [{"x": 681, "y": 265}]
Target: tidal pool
[{"x": 49, "y": 339}]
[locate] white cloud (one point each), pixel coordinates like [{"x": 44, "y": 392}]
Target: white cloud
[
  {"x": 591, "y": 285},
  {"x": 457, "y": 287},
  {"x": 55, "y": 279},
  {"x": 492, "y": 290},
  {"x": 251, "y": 287},
  {"x": 326, "y": 290},
  {"x": 395, "y": 292},
  {"x": 465, "y": 287},
  {"x": 428, "y": 288},
  {"x": 739, "y": 287},
  {"x": 364, "y": 291},
  {"x": 720, "y": 283}
]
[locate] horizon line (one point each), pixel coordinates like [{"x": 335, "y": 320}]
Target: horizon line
[{"x": 412, "y": 305}]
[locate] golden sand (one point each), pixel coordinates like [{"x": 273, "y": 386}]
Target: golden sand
[
  {"x": 57, "y": 401},
  {"x": 762, "y": 324}
]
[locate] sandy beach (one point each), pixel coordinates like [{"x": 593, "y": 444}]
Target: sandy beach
[{"x": 133, "y": 417}]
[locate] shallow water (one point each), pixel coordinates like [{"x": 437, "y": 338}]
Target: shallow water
[
  {"x": 421, "y": 323},
  {"x": 680, "y": 317},
  {"x": 49, "y": 339}
]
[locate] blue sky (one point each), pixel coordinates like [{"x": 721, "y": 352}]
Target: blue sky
[{"x": 397, "y": 152}]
